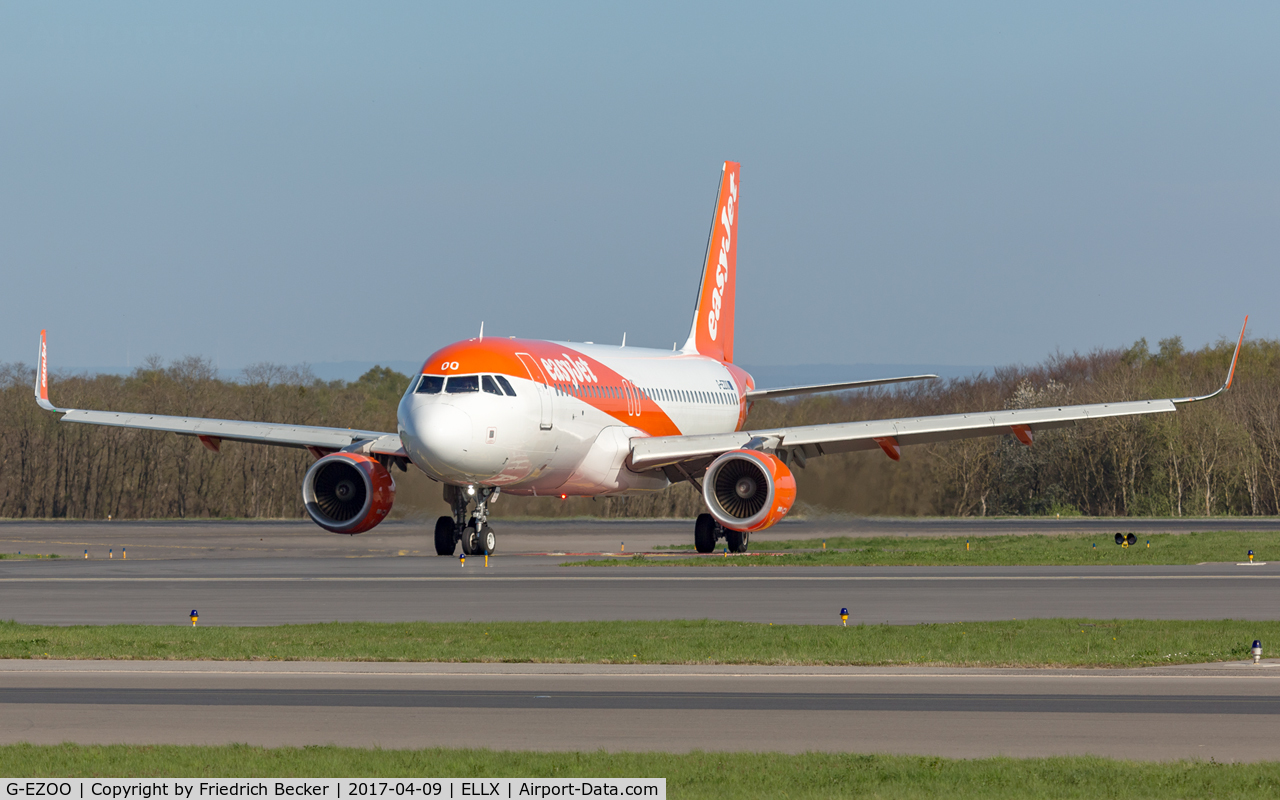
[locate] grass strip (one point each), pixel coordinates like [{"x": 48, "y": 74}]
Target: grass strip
[
  {"x": 689, "y": 775},
  {"x": 28, "y": 555},
  {"x": 1011, "y": 643},
  {"x": 983, "y": 551}
]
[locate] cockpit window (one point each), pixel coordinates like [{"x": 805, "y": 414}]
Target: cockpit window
[
  {"x": 431, "y": 384},
  {"x": 506, "y": 385},
  {"x": 461, "y": 384},
  {"x": 489, "y": 385}
]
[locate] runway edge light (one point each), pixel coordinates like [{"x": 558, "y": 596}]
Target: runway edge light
[
  {"x": 844, "y": 617},
  {"x": 1250, "y": 556},
  {"x": 1257, "y": 650},
  {"x": 195, "y": 615}
]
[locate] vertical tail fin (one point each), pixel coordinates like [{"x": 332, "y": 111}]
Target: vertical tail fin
[{"x": 712, "y": 331}]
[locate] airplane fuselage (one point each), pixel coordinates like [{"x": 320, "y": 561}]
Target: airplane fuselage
[{"x": 544, "y": 418}]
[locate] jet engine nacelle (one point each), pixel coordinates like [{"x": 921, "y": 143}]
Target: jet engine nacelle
[
  {"x": 747, "y": 490},
  {"x": 348, "y": 492}
]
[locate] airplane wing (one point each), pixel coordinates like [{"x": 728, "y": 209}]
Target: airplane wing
[
  {"x": 212, "y": 432},
  {"x": 791, "y": 391},
  {"x": 688, "y": 455}
]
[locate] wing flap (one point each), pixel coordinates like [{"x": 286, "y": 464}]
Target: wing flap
[
  {"x": 658, "y": 451},
  {"x": 239, "y": 431}
]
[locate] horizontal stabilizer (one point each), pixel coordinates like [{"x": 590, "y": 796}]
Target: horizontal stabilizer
[{"x": 791, "y": 391}]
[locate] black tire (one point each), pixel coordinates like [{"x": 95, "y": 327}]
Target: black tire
[
  {"x": 704, "y": 534},
  {"x": 738, "y": 541},
  {"x": 487, "y": 540},
  {"x": 446, "y": 538},
  {"x": 470, "y": 542}
]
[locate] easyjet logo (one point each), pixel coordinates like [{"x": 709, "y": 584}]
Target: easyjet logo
[
  {"x": 569, "y": 369},
  {"x": 722, "y": 265}
]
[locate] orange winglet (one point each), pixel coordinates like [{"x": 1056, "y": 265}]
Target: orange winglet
[
  {"x": 44, "y": 368},
  {"x": 42, "y": 378},
  {"x": 1023, "y": 432},
  {"x": 889, "y": 444},
  {"x": 1231, "y": 374}
]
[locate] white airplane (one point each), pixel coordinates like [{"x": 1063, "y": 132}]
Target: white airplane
[{"x": 532, "y": 417}]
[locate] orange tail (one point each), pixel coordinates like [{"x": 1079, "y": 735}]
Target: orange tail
[{"x": 712, "y": 332}]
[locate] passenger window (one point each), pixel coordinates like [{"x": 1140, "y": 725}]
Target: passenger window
[
  {"x": 461, "y": 384},
  {"x": 506, "y": 385},
  {"x": 430, "y": 384},
  {"x": 490, "y": 385}
]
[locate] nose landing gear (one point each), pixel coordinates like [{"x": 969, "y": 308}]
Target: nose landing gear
[{"x": 469, "y": 527}]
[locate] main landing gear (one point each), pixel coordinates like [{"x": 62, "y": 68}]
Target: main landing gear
[
  {"x": 469, "y": 527},
  {"x": 706, "y": 531}
]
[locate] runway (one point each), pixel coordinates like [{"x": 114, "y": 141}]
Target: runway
[
  {"x": 266, "y": 574},
  {"x": 273, "y": 573},
  {"x": 1226, "y": 712},
  {"x": 189, "y": 539}
]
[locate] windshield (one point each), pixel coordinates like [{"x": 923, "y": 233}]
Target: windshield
[
  {"x": 461, "y": 384},
  {"x": 431, "y": 384}
]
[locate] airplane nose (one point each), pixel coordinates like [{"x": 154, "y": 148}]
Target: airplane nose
[{"x": 441, "y": 435}]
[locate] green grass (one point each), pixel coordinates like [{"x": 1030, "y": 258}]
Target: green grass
[
  {"x": 689, "y": 775},
  {"x": 28, "y": 555},
  {"x": 1016, "y": 643},
  {"x": 985, "y": 551}
]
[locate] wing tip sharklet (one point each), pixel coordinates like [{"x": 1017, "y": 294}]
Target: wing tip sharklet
[
  {"x": 1231, "y": 372},
  {"x": 42, "y": 377}
]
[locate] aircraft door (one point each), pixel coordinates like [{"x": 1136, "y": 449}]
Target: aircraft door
[
  {"x": 633, "y": 398},
  {"x": 539, "y": 378}
]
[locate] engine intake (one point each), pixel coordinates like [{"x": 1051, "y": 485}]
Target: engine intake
[
  {"x": 746, "y": 490},
  {"x": 348, "y": 492}
]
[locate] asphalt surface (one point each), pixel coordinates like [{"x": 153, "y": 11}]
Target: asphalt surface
[
  {"x": 1229, "y": 712},
  {"x": 271, "y": 573},
  {"x": 202, "y": 539}
]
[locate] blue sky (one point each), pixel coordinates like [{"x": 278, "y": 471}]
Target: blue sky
[{"x": 922, "y": 183}]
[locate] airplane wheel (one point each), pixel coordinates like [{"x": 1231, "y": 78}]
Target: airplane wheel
[
  {"x": 471, "y": 542},
  {"x": 704, "y": 534},
  {"x": 488, "y": 542},
  {"x": 738, "y": 541},
  {"x": 446, "y": 537}
]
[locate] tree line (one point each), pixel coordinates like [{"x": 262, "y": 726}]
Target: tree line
[{"x": 1219, "y": 457}]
